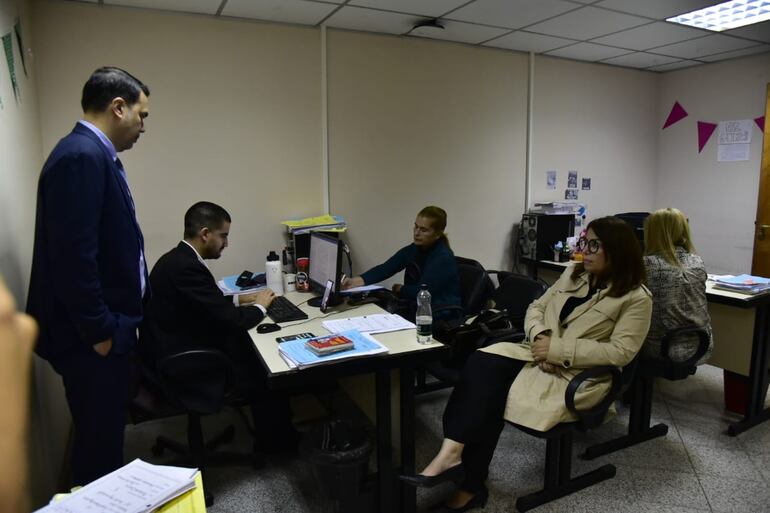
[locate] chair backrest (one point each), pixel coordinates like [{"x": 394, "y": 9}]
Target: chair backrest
[
  {"x": 197, "y": 380},
  {"x": 515, "y": 294},
  {"x": 676, "y": 370},
  {"x": 476, "y": 288}
]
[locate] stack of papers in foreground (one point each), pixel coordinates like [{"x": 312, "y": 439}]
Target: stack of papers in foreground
[
  {"x": 229, "y": 288},
  {"x": 137, "y": 487},
  {"x": 744, "y": 283},
  {"x": 297, "y": 355},
  {"x": 378, "y": 323}
]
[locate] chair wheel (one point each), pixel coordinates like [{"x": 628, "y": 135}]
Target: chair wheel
[
  {"x": 209, "y": 498},
  {"x": 157, "y": 450}
]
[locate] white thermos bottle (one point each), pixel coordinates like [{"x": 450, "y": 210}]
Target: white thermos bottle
[{"x": 273, "y": 273}]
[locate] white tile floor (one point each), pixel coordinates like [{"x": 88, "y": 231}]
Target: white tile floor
[{"x": 695, "y": 468}]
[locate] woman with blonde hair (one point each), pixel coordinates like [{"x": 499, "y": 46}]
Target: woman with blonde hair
[
  {"x": 676, "y": 276},
  {"x": 428, "y": 259}
]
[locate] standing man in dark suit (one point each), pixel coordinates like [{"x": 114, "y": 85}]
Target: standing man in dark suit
[
  {"x": 89, "y": 275},
  {"x": 188, "y": 311}
]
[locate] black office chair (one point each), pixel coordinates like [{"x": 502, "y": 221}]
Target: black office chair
[
  {"x": 193, "y": 383},
  {"x": 639, "y": 429},
  {"x": 558, "y": 480},
  {"x": 514, "y": 295},
  {"x": 465, "y": 335}
]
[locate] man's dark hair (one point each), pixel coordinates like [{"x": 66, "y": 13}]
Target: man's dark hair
[
  {"x": 204, "y": 214},
  {"x": 108, "y": 83},
  {"x": 623, "y": 253}
]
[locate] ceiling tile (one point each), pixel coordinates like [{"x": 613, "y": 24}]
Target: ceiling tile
[
  {"x": 674, "y": 65},
  {"x": 432, "y": 8},
  {"x": 650, "y": 36},
  {"x": 737, "y": 53},
  {"x": 286, "y": 11},
  {"x": 370, "y": 20},
  {"x": 658, "y": 9},
  {"x": 703, "y": 46},
  {"x": 196, "y": 6},
  {"x": 587, "y": 23},
  {"x": 758, "y": 31},
  {"x": 467, "y": 32},
  {"x": 511, "y": 13},
  {"x": 587, "y": 52},
  {"x": 640, "y": 60},
  {"x": 528, "y": 42}
]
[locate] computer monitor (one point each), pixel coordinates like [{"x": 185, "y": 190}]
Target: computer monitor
[{"x": 325, "y": 265}]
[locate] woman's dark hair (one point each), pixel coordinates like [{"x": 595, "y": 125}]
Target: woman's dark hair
[
  {"x": 108, "y": 83},
  {"x": 204, "y": 214},
  {"x": 625, "y": 268}
]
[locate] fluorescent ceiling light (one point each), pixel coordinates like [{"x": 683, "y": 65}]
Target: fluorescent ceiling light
[{"x": 727, "y": 15}]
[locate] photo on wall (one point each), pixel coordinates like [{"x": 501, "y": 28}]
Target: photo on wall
[
  {"x": 570, "y": 194},
  {"x": 586, "y": 184},
  {"x": 572, "y": 180},
  {"x": 550, "y": 180}
]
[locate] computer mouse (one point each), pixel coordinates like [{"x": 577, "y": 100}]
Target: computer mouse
[{"x": 267, "y": 327}]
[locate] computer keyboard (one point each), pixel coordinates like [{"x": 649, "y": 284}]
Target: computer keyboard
[{"x": 283, "y": 310}]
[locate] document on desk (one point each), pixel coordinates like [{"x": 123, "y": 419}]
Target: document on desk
[
  {"x": 296, "y": 354},
  {"x": 378, "y": 323},
  {"x": 137, "y": 487},
  {"x": 362, "y": 288}
]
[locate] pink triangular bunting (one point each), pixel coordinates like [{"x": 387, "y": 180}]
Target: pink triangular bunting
[
  {"x": 705, "y": 130},
  {"x": 760, "y": 121},
  {"x": 677, "y": 114}
]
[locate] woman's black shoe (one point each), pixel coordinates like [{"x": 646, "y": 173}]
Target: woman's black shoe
[
  {"x": 477, "y": 501},
  {"x": 455, "y": 473}
]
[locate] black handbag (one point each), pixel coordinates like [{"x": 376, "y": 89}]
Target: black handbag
[{"x": 467, "y": 337}]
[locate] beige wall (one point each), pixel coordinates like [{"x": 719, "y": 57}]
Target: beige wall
[
  {"x": 720, "y": 198},
  {"x": 235, "y": 116},
  {"x": 600, "y": 121},
  {"x": 414, "y": 123}
]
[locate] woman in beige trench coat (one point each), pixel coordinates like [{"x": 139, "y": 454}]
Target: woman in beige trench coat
[{"x": 597, "y": 313}]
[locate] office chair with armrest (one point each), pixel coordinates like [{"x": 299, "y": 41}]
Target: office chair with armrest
[
  {"x": 193, "y": 383},
  {"x": 514, "y": 295},
  {"x": 639, "y": 429},
  {"x": 558, "y": 480},
  {"x": 476, "y": 291}
]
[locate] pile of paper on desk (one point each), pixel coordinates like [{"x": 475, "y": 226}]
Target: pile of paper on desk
[
  {"x": 137, "y": 487},
  {"x": 744, "y": 283}
]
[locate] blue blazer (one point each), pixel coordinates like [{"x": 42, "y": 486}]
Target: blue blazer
[{"x": 85, "y": 285}]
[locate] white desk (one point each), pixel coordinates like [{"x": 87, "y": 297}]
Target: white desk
[
  {"x": 759, "y": 361},
  {"x": 404, "y": 353}
]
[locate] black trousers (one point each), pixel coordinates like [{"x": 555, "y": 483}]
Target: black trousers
[
  {"x": 270, "y": 409},
  {"x": 474, "y": 413},
  {"x": 97, "y": 392}
]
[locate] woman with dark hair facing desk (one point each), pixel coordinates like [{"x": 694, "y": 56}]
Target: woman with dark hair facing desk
[
  {"x": 428, "y": 260},
  {"x": 597, "y": 313}
]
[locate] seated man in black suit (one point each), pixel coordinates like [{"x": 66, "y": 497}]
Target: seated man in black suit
[{"x": 188, "y": 311}]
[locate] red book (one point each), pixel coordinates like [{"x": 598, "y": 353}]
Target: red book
[{"x": 329, "y": 344}]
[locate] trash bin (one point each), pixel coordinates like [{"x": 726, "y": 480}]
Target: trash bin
[{"x": 339, "y": 452}]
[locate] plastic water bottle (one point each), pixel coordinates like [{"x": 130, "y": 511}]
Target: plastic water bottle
[
  {"x": 273, "y": 274},
  {"x": 424, "y": 316}
]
